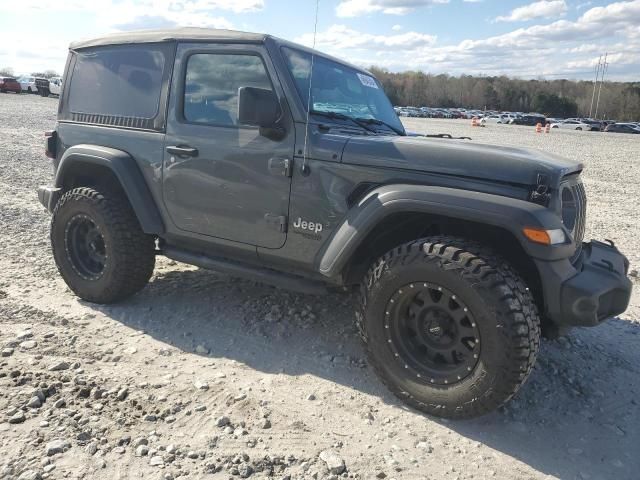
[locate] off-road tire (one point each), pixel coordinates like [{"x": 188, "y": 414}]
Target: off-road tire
[
  {"x": 130, "y": 253},
  {"x": 503, "y": 308}
]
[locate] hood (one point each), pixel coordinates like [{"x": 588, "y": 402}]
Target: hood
[{"x": 459, "y": 158}]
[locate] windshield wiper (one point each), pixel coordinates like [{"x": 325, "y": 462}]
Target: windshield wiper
[
  {"x": 445, "y": 135},
  {"x": 376, "y": 121},
  {"x": 342, "y": 116}
]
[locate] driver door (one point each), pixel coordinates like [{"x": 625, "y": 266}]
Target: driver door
[{"x": 220, "y": 178}]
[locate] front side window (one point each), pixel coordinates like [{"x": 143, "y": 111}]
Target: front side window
[
  {"x": 212, "y": 82},
  {"x": 339, "y": 88},
  {"x": 122, "y": 81}
]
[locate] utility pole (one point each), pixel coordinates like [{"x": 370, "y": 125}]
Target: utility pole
[
  {"x": 604, "y": 69},
  {"x": 595, "y": 83}
]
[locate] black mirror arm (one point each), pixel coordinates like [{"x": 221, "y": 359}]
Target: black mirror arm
[{"x": 275, "y": 132}]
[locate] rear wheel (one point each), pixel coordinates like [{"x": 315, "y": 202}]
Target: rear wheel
[
  {"x": 579, "y": 128},
  {"x": 449, "y": 327},
  {"x": 100, "y": 250}
]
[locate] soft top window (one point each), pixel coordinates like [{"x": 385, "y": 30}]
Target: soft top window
[{"x": 120, "y": 81}]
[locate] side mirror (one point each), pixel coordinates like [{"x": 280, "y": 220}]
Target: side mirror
[{"x": 258, "y": 107}]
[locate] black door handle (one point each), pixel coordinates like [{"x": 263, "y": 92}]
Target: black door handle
[{"x": 182, "y": 151}]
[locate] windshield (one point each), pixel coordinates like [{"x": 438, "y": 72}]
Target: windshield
[{"x": 340, "y": 89}]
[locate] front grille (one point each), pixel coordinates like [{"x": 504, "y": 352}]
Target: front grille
[{"x": 581, "y": 217}]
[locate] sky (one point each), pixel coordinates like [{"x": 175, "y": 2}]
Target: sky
[{"x": 519, "y": 38}]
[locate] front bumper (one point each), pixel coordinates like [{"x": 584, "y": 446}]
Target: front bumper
[
  {"x": 48, "y": 197},
  {"x": 589, "y": 291}
]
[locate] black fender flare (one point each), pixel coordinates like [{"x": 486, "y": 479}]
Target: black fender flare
[
  {"x": 503, "y": 212},
  {"x": 128, "y": 173}
]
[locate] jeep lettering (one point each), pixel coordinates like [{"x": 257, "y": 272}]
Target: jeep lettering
[{"x": 314, "y": 227}]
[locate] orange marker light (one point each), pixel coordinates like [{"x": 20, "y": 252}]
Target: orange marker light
[{"x": 537, "y": 235}]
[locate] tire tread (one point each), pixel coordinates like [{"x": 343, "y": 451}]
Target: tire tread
[
  {"x": 477, "y": 264},
  {"x": 133, "y": 249}
]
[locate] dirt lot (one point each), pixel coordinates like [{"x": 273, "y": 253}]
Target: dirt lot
[{"x": 204, "y": 376}]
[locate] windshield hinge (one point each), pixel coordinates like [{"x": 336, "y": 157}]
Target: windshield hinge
[
  {"x": 540, "y": 194},
  {"x": 281, "y": 166},
  {"x": 277, "y": 222}
]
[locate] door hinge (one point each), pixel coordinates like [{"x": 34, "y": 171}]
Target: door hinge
[
  {"x": 281, "y": 166},
  {"x": 278, "y": 222}
]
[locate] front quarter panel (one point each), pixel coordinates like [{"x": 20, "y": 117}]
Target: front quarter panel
[{"x": 508, "y": 213}]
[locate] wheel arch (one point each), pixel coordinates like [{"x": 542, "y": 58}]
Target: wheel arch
[
  {"x": 399, "y": 228},
  {"x": 90, "y": 165},
  {"x": 394, "y": 214}
]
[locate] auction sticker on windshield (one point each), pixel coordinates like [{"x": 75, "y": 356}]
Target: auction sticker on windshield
[{"x": 367, "y": 81}]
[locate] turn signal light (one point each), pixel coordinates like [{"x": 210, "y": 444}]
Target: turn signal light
[{"x": 544, "y": 237}]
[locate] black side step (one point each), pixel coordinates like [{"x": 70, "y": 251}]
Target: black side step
[{"x": 244, "y": 270}]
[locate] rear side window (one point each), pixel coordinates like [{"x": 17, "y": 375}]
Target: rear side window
[
  {"x": 118, "y": 82},
  {"x": 212, "y": 82}
]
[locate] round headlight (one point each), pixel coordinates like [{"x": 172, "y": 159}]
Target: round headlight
[{"x": 569, "y": 209}]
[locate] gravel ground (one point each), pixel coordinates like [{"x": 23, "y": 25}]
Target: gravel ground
[{"x": 205, "y": 376}]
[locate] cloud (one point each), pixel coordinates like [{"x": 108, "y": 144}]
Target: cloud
[
  {"x": 580, "y": 6},
  {"x": 236, "y": 6},
  {"x": 354, "y": 8},
  {"x": 539, "y": 9},
  {"x": 143, "y": 22},
  {"x": 107, "y": 16},
  {"x": 397, "y": 28},
  {"x": 340, "y": 37},
  {"x": 560, "y": 48}
]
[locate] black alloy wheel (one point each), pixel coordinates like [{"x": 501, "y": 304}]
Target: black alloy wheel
[
  {"x": 432, "y": 333},
  {"x": 85, "y": 247}
]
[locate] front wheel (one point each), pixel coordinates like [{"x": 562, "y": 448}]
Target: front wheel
[
  {"x": 450, "y": 327},
  {"x": 100, "y": 250}
]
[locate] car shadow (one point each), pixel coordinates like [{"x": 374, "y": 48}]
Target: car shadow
[{"x": 576, "y": 417}]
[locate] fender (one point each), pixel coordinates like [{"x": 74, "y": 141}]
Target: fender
[
  {"x": 126, "y": 171},
  {"x": 504, "y": 212}
]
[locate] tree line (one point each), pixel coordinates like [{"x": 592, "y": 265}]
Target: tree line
[
  {"x": 554, "y": 98},
  {"x": 9, "y": 72}
]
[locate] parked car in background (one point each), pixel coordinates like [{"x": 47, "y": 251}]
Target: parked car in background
[
  {"x": 28, "y": 83},
  {"x": 554, "y": 120},
  {"x": 10, "y": 84},
  {"x": 622, "y": 128},
  {"x": 572, "y": 125},
  {"x": 509, "y": 118},
  {"x": 49, "y": 86},
  {"x": 55, "y": 85},
  {"x": 596, "y": 125},
  {"x": 493, "y": 118},
  {"x": 530, "y": 119}
]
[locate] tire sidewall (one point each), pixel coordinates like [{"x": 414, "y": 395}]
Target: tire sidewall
[{"x": 492, "y": 362}]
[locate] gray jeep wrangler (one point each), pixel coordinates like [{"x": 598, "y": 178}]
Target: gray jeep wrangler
[{"x": 253, "y": 156}]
